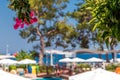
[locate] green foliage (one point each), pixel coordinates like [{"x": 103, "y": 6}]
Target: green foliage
[
  {"x": 42, "y": 69},
  {"x": 23, "y": 55},
  {"x": 67, "y": 31},
  {"x": 105, "y": 15},
  {"x": 49, "y": 27},
  {"x": 21, "y": 7},
  {"x": 29, "y": 33},
  {"x": 118, "y": 65},
  {"x": 37, "y": 69},
  {"x": 34, "y": 53},
  {"x": 12, "y": 67},
  {"x": 22, "y": 66},
  {"x": 84, "y": 29},
  {"x": 111, "y": 67},
  {"x": 83, "y": 65}
]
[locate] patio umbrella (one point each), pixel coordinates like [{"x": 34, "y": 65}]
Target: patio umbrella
[
  {"x": 117, "y": 59},
  {"x": 98, "y": 74},
  {"x": 94, "y": 59},
  {"x": 78, "y": 60},
  {"x": 27, "y": 61},
  {"x": 55, "y": 52},
  {"x": 8, "y": 76},
  {"x": 6, "y": 56},
  {"x": 65, "y": 60},
  {"x": 8, "y": 62}
]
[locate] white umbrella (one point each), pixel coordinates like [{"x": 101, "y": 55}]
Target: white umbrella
[
  {"x": 8, "y": 76},
  {"x": 78, "y": 60},
  {"x": 93, "y": 59},
  {"x": 54, "y": 52},
  {"x": 27, "y": 61},
  {"x": 6, "y": 56},
  {"x": 8, "y": 61},
  {"x": 65, "y": 60},
  {"x": 98, "y": 74},
  {"x": 117, "y": 59}
]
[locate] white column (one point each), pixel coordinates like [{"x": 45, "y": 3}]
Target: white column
[
  {"x": 51, "y": 59},
  {"x": 46, "y": 59},
  {"x": 115, "y": 55}
]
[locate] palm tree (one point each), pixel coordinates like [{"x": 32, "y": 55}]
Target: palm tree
[{"x": 23, "y": 55}]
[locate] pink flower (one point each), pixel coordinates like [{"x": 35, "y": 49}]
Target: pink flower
[
  {"x": 31, "y": 13},
  {"x": 31, "y": 21},
  {"x": 18, "y": 20},
  {"x": 16, "y": 26},
  {"x": 26, "y": 22},
  {"x": 34, "y": 19},
  {"x": 20, "y": 23}
]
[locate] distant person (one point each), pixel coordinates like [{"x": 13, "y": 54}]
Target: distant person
[
  {"x": 103, "y": 65},
  {"x": 29, "y": 69},
  {"x": 57, "y": 69}
]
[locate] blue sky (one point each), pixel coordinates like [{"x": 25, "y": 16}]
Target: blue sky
[{"x": 9, "y": 36}]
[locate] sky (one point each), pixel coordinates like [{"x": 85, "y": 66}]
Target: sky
[{"x": 10, "y": 41}]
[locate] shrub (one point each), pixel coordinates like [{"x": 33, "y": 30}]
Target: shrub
[
  {"x": 83, "y": 65},
  {"x": 111, "y": 67},
  {"x": 12, "y": 67}
]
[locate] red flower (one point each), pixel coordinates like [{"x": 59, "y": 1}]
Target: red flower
[
  {"x": 34, "y": 19},
  {"x": 18, "y": 20},
  {"x": 31, "y": 13},
  {"x": 26, "y": 22},
  {"x": 31, "y": 21},
  {"x": 20, "y": 23},
  {"x": 15, "y": 54},
  {"x": 16, "y": 26}
]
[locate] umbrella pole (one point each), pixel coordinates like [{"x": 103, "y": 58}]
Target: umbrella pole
[
  {"x": 51, "y": 58},
  {"x": 115, "y": 58}
]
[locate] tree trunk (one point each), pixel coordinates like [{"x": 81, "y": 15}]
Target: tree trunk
[
  {"x": 107, "y": 58},
  {"x": 41, "y": 54},
  {"x": 42, "y": 46},
  {"x": 101, "y": 49},
  {"x": 113, "y": 54},
  {"x": 41, "y": 50}
]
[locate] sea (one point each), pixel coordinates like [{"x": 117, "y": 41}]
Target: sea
[{"x": 57, "y": 57}]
